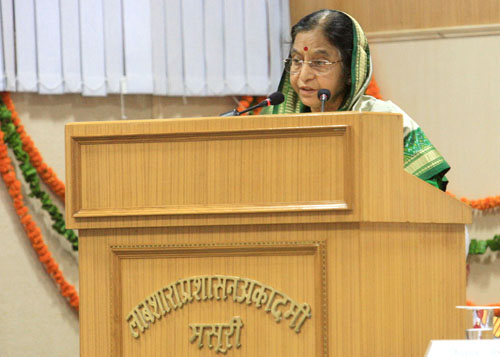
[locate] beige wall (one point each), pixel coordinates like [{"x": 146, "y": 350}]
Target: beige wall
[{"x": 449, "y": 86}]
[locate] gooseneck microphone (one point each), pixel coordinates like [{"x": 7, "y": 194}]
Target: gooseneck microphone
[
  {"x": 323, "y": 96},
  {"x": 275, "y": 98}
]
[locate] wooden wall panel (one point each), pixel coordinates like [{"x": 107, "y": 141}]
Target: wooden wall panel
[{"x": 390, "y": 15}]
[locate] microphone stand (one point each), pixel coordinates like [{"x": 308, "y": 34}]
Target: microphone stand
[
  {"x": 231, "y": 113},
  {"x": 235, "y": 113},
  {"x": 275, "y": 98}
]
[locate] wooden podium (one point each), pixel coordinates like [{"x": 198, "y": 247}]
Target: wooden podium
[{"x": 289, "y": 235}]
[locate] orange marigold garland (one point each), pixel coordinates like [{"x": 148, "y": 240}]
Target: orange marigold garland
[
  {"x": 483, "y": 203},
  {"x": 244, "y": 103},
  {"x": 13, "y": 140},
  {"x": 373, "y": 89},
  {"x": 47, "y": 175},
  {"x": 247, "y": 101},
  {"x": 33, "y": 232}
]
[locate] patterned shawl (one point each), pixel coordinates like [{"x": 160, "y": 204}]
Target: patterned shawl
[
  {"x": 420, "y": 157},
  {"x": 361, "y": 72}
]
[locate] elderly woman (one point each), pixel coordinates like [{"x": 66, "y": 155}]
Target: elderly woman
[{"x": 330, "y": 51}]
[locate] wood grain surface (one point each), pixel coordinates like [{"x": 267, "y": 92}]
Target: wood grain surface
[
  {"x": 391, "y": 15},
  {"x": 375, "y": 253}
]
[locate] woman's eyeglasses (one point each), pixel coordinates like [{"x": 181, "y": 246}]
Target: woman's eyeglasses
[{"x": 319, "y": 67}]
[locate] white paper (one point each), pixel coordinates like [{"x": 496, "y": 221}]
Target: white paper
[{"x": 464, "y": 348}]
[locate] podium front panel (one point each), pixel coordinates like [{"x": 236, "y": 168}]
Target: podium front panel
[
  {"x": 292, "y": 235},
  {"x": 213, "y": 172}
]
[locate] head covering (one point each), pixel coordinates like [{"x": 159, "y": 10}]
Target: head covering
[
  {"x": 361, "y": 72},
  {"x": 420, "y": 157}
]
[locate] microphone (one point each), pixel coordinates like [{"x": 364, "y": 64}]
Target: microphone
[
  {"x": 323, "y": 95},
  {"x": 275, "y": 98}
]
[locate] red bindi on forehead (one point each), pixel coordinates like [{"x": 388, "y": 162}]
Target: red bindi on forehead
[{"x": 306, "y": 48}]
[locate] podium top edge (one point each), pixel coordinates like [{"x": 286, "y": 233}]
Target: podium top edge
[{"x": 349, "y": 114}]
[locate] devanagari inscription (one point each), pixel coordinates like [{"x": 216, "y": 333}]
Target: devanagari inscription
[
  {"x": 216, "y": 288},
  {"x": 220, "y": 333}
]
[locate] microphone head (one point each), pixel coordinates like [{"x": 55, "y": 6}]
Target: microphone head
[
  {"x": 276, "y": 98},
  {"x": 324, "y": 94}
]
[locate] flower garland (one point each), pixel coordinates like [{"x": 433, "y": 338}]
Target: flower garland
[
  {"x": 373, "y": 89},
  {"x": 483, "y": 203},
  {"x": 34, "y": 233},
  {"x": 477, "y": 247},
  {"x": 247, "y": 101},
  {"x": 48, "y": 175},
  {"x": 12, "y": 138}
]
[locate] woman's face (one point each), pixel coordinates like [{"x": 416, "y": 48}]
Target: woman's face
[{"x": 311, "y": 46}]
